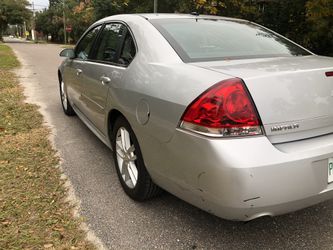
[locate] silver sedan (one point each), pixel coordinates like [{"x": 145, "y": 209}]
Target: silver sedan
[{"x": 223, "y": 113}]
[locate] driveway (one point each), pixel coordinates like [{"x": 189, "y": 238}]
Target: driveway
[{"x": 165, "y": 222}]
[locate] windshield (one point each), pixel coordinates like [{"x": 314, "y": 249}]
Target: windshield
[{"x": 198, "y": 39}]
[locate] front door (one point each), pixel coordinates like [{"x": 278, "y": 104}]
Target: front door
[
  {"x": 114, "y": 51},
  {"x": 76, "y": 76}
]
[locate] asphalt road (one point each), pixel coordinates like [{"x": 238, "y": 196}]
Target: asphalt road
[{"x": 165, "y": 222}]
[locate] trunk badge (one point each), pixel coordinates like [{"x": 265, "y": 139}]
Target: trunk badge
[{"x": 285, "y": 127}]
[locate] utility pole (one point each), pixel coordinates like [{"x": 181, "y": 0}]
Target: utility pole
[
  {"x": 155, "y": 6},
  {"x": 33, "y": 22},
  {"x": 64, "y": 21},
  {"x": 24, "y": 30}
]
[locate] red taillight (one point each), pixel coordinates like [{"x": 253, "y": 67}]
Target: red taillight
[
  {"x": 225, "y": 109},
  {"x": 329, "y": 74}
]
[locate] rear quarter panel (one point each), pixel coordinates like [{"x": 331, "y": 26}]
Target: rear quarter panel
[{"x": 159, "y": 77}]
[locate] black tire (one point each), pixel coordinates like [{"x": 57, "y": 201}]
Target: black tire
[
  {"x": 66, "y": 106},
  {"x": 144, "y": 188}
]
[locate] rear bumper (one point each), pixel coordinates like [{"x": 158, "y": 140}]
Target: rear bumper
[{"x": 242, "y": 179}]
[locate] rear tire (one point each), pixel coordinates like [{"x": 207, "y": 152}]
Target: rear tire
[
  {"x": 129, "y": 163},
  {"x": 66, "y": 106}
]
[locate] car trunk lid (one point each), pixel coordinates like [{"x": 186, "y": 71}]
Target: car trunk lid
[{"x": 293, "y": 95}]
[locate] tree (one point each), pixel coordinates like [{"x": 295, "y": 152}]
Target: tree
[
  {"x": 165, "y": 6},
  {"x": 308, "y": 22},
  {"x": 104, "y": 8},
  {"x": 319, "y": 15},
  {"x": 229, "y": 8},
  {"x": 13, "y": 12},
  {"x": 286, "y": 17},
  {"x": 50, "y": 22},
  {"x": 54, "y": 3},
  {"x": 81, "y": 18}
]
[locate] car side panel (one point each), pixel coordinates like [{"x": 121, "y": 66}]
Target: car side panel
[
  {"x": 73, "y": 80},
  {"x": 95, "y": 91},
  {"x": 163, "y": 82}
]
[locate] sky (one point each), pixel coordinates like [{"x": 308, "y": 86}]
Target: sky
[{"x": 40, "y": 4}]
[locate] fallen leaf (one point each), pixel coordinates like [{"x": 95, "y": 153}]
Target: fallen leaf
[{"x": 6, "y": 222}]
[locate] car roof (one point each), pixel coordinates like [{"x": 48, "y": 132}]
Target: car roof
[{"x": 152, "y": 16}]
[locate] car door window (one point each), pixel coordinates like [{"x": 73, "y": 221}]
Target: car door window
[
  {"x": 128, "y": 51},
  {"x": 108, "y": 47},
  {"x": 84, "y": 47}
]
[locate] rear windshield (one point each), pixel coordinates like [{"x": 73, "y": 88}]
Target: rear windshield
[{"x": 219, "y": 39}]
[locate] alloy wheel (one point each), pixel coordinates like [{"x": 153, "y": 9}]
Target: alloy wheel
[
  {"x": 63, "y": 95},
  {"x": 126, "y": 158}
]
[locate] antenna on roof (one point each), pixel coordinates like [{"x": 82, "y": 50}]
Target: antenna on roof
[{"x": 155, "y": 6}]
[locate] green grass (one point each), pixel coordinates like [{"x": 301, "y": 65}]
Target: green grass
[
  {"x": 34, "y": 213},
  {"x": 7, "y": 62}
]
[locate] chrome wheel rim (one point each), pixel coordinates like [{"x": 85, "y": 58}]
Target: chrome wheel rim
[
  {"x": 126, "y": 158},
  {"x": 63, "y": 95}
]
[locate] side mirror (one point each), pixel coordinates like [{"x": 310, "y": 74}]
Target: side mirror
[{"x": 67, "y": 53}]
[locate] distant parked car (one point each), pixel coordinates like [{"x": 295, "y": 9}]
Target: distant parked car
[
  {"x": 11, "y": 36},
  {"x": 221, "y": 112}
]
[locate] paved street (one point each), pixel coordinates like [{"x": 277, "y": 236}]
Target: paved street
[{"x": 162, "y": 223}]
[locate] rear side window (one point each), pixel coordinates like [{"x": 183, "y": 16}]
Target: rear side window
[
  {"x": 128, "y": 51},
  {"x": 85, "y": 45},
  {"x": 199, "y": 39},
  {"x": 115, "y": 45},
  {"x": 109, "y": 43}
]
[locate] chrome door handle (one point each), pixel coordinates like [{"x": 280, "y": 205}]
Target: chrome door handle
[
  {"x": 105, "y": 80},
  {"x": 78, "y": 72}
]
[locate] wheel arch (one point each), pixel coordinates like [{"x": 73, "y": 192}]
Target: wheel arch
[
  {"x": 112, "y": 117},
  {"x": 59, "y": 76},
  {"x": 147, "y": 188}
]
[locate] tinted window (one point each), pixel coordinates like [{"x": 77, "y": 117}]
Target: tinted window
[
  {"x": 211, "y": 39},
  {"x": 84, "y": 47},
  {"x": 128, "y": 51},
  {"x": 111, "y": 37}
]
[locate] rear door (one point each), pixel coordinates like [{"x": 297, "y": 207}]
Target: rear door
[{"x": 114, "y": 51}]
